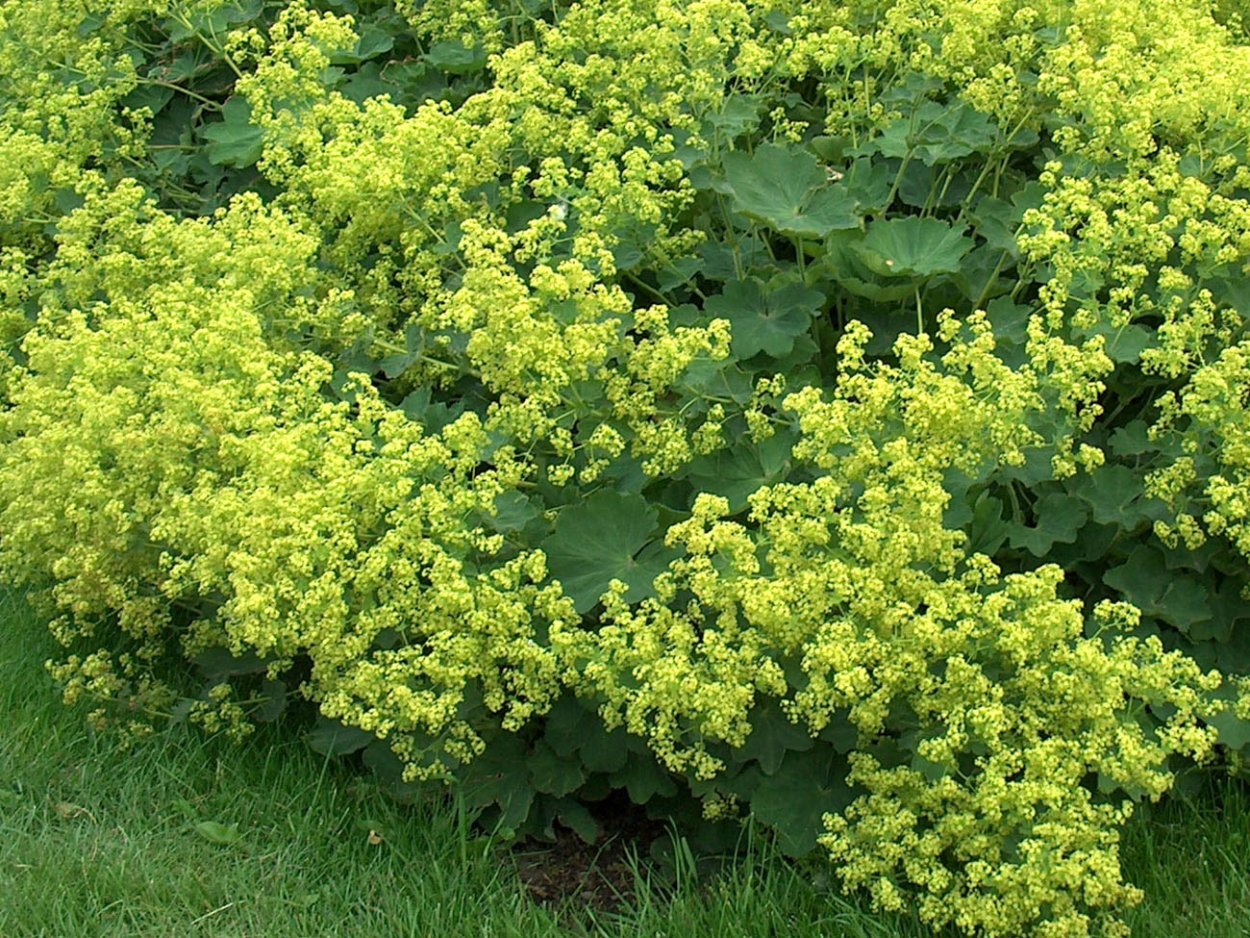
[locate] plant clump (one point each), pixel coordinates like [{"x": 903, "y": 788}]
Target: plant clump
[{"x": 831, "y": 414}]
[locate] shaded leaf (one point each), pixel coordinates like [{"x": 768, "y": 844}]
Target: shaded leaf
[
  {"x": 603, "y": 750},
  {"x": 498, "y": 777},
  {"x": 274, "y": 705},
  {"x": 553, "y": 774},
  {"x": 331, "y": 738},
  {"x": 772, "y": 736},
  {"x": 644, "y": 778},
  {"x": 1234, "y": 731},
  {"x": 234, "y": 141},
  {"x": 219, "y": 663},
  {"x": 794, "y": 800},
  {"x": 1059, "y": 519},
  {"x": 1146, "y": 582},
  {"x": 568, "y": 724},
  {"x": 577, "y": 818},
  {"x": 606, "y": 537},
  {"x": 736, "y": 473}
]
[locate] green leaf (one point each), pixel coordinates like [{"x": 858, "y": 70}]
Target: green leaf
[
  {"x": 415, "y": 346},
  {"x": 979, "y": 275},
  {"x": 606, "y": 537},
  {"x": 736, "y": 473},
  {"x": 577, "y": 818},
  {"x": 794, "y": 800},
  {"x": 224, "y": 835},
  {"x": 455, "y": 58},
  {"x": 1059, "y": 520},
  {"x": 936, "y": 133},
  {"x": 842, "y": 265},
  {"x": 786, "y": 189},
  {"x": 212, "y": 20},
  {"x": 868, "y": 183},
  {"x": 1114, "y": 494},
  {"x": 912, "y": 247},
  {"x": 738, "y": 114},
  {"x": 1234, "y": 732},
  {"x": 513, "y": 511},
  {"x": 1125, "y": 344},
  {"x": 1037, "y": 467},
  {"x": 924, "y": 187},
  {"x": 708, "y": 378},
  {"x": 552, "y": 774},
  {"x": 1148, "y": 584},
  {"x": 718, "y": 257},
  {"x": 952, "y": 131},
  {"x": 331, "y": 738},
  {"x": 765, "y": 318},
  {"x": 367, "y": 82},
  {"x": 772, "y": 736},
  {"x": 988, "y": 528},
  {"x": 1132, "y": 439},
  {"x": 678, "y": 272},
  {"x": 1010, "y": 321},
  {"x": 234, "y": 141},
  {"x": 373, "y": 41},
  {"x": 996, "y": 221},
  {"x": 644, "y": 778}
]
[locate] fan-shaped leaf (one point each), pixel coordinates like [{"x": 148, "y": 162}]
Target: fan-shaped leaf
[
  {"x": 912, "y": 247},
  {"x": 765, "y": 318},
  {"x": 786, "y": 188},
  {"x": 606, "y": 537}
]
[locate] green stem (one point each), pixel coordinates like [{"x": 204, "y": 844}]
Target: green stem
[
  {"x": 642, "y": 284},
  {"x": 207, "y": 102},
  {"x": 898, "y": 180},
  {"x": 989, "y": 283}
]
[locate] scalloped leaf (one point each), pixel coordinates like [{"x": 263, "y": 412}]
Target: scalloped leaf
[
  {"x": 1059, "y": 520},
  {"x": 608, "y": 536},
  {"x": 786, "y": 189},
  {"x": 234, "y": 140},
  {"x": 765, "y": 318},
  {"x": 912, "y": 247}
]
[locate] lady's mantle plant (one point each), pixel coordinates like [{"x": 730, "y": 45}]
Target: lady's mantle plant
[{"x": 833, "y": 413}]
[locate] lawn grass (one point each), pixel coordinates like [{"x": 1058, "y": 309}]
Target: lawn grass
[{"x": 98, "y": 842}]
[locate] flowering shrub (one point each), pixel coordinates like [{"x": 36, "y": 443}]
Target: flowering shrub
[{"x": 833, "y": 413}]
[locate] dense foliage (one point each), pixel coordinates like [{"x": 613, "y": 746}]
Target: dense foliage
[{"x": 829, "y": 412}]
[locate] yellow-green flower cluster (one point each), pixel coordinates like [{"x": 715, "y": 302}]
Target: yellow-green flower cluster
[{"x": 1211, "y": 415}]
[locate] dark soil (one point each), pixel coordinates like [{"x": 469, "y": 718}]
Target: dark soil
[{"x": 597, "y": 876}]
